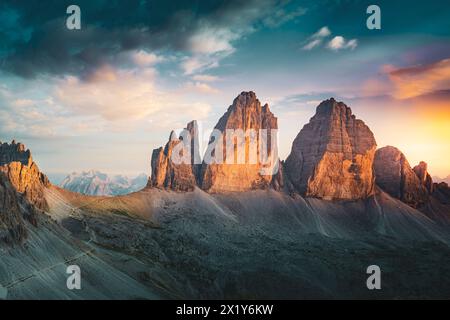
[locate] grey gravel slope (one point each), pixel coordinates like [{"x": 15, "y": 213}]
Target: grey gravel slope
[
  {"x": 37, "y": 269},
  {"x": 262, "y": 244}
]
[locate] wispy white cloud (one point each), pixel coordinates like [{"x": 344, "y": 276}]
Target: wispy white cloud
[
  {"x": 317, "y": 38},
  {"x": 322, "y": 33},
  {"x": 352, "y": 44},
  {"x": 212, "y": 42},
  {"x": 312, "y": 44},
  {"x": 202, "y": 87},
  {"x": 112, "y": 94},
  {"x": 205, "y": 78},
  {"x": 336, "y": 43},
  {"x": 200, "y": 63},
  {"x": 339, "y": 43},
  {"x": 145, "y": 59},
  {"x": 282, "y": 16},
  {"x": 22, "y": 103},
  {"x": 208, "y": 47},
  {"x": 108, "y": 100},
  {"x": 40, "y": 118}
]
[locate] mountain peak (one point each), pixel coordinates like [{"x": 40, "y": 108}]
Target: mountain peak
[
  {"x": 169, "y": 175},
  {"x": 421, "y": 170},
  {"x": 239, "y": 114},
  {"x": 331, "y": 107},
  {"x": 173, "y": 136},
  {"x": 245, "y": 98},
  {"x": 14, "y": 152},
  {"x": 332, "y": 156},
  {"x": 246, "y": 113},
  {"x": 17, "y": 164},
  {"x": 96, "y": 183},
  {"x": 395, "y": 176}
]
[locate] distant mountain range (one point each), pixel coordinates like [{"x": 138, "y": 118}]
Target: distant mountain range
[
  {"x": 438, "y": 180},
  {"x": 96, "y": 183}
]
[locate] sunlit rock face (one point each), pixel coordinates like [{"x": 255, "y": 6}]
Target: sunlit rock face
[
  {"x": 332, "y": 156},
  {"x": 22, "y": 172},
  {"x": 167, "y": 173},
  {"x": 249, "y": 169},
  {"x": 21, "y": 188},
  {"x": 395, "y": 176},
  {"x": 421, "y": 170}
]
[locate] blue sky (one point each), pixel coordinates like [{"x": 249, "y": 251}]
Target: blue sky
[{"x": 104, "y": 96}]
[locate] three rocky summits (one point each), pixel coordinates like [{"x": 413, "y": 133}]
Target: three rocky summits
[{"x": 334, "y": 157}]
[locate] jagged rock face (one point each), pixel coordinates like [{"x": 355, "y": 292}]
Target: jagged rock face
[
  {"x": 14, "y": 152},
  {"x": 332, "y": 156},
  {"x": 13, "y": 210},
  {"x": 421, "y": 171},
  {"x": 246, "y": 113},
  {"x": 196, "y": 159},
  {"x": 24, "y": 175},
  {"x": 395, "y": 176},
  {"x": 168, "y": 174}
]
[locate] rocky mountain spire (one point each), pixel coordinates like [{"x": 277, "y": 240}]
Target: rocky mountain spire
[
  {"x": 23, "y": 173},
  {"x": 421, "y": 171},
  {"x": 332, "y": 156},
  {"x": 14, "y": 152},
  {"x": 245, "y": 170},
  {"x": 245, "y": 119},
  {"x": 395, "y": 176},
  {"x": 180, "y": 176}
]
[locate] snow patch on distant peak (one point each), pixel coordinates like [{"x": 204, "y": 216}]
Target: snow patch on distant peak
[{"x": 96, "y": 183}]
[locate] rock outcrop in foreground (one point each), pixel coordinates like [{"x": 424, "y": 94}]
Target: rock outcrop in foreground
[
  {"x": 332, "y": 156},
  {"x": 18, "y": 166},
  {"x": 395, "y": 176}
]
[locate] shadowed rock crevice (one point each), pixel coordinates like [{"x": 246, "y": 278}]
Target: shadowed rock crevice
[{"x": 14, "y": 211}]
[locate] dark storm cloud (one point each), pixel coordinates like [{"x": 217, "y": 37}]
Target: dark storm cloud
[{"x": 35, "y": 40}]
